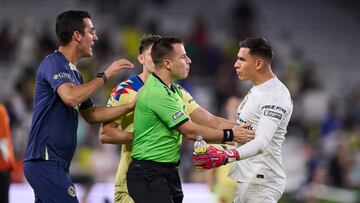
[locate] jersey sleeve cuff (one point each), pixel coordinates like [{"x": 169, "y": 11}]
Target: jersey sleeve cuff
[{"x": 180, "y": 123}]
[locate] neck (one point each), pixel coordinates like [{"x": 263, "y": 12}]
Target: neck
[
  {"x": 70, "y": 53},
  {"x": 263, "y": 77},
  {"x": 164, "y": 76},
  {"x": 144, "y": 75}
]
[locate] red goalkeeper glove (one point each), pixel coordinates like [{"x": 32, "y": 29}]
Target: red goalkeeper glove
[{"x": 215, "y": 157}]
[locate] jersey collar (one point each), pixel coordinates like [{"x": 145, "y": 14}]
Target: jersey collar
[
  {"x": 157, "y": 77},
  {"x": 72, "y": 66}
]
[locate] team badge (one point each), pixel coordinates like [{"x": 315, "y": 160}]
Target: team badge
[{"x": 71, "y": 191}]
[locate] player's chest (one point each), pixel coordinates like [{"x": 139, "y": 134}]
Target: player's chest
[{"x": 248, "y": 110}]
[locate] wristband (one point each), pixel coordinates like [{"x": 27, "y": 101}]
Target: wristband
[
  {"x": 228, "y": 135},
  {"x": 102, "y": 75}
]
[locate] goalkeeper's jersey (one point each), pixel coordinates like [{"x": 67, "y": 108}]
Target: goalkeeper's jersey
[
  {"x": 268, "y": 107},
  {"x": 124, "y": 93}
]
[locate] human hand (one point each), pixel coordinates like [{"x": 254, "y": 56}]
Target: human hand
[
  {"x": 215, "y": 157},
  {"x": 116, "y": 66},
  {"x": 242, "y": 133}
]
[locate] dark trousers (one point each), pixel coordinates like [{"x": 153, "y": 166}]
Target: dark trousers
[
  {"x": 150, "y": 181},
  {"x": 50, "y": 181},
  {"x": 4, "y": 186}
]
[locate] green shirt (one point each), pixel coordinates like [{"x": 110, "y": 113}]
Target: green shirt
[{"x": 159, "y": 109}]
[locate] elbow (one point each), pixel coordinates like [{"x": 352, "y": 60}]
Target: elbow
[
  {"x": 72, "y": 102},
  {"x": 189, "y": 134}
]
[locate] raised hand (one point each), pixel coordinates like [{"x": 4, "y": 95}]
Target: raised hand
[
  {"x": 116, "y": 66},
  {"x": 242, "y": 133}
]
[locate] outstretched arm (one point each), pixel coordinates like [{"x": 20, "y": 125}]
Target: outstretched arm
[
  {"x": 238, "y": 134},
  {"x": 217, "y": 157},
  {"x": 204, "y": 117},
  {"x": 73, "y": 95},
  {"x": 97, "y": 114}
]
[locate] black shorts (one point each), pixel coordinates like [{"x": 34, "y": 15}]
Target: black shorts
[{"x": 150, "y": 181}]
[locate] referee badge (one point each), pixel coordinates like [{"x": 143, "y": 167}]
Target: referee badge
[{"x": 71, "y": 191}]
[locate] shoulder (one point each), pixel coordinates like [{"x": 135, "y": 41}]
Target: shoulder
[
  {"x": 52, "y": 58},
  {"x": 153, "y": 87},
  {"x": 53, "y": 63},
  {"x": 277, "y": 101},
  {"x": 181, "y": 88},
  {"x": 126, "y": 89},
  {"x": 133, "y": 83}
]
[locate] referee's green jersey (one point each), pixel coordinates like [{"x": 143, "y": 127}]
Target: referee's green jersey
[{"x": 159, "y": 110}]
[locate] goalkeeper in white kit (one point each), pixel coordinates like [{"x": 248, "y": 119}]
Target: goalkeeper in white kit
[{"x": 268, "y": 107}]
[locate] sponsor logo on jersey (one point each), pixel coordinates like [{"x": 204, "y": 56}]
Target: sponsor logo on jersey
[
  {"x": 178, "y": 115},
  {"x": 273, "y": 107},
  {"x": 272, "y": 114},
  {"x": 240, "y": 121},
  {"x": 71, "y": 191},
  {"x": 61, "y": 75}
]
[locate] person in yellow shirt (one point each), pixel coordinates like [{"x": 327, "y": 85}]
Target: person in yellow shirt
[{"x": 121, "y": 130}]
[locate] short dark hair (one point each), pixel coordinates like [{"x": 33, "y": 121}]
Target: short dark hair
[
  {"x": 146, "y": 41},
  {"x": 67, "y": 23},
  {"x": 258, "y": 46},
  {"x": 163, "y": 48}
]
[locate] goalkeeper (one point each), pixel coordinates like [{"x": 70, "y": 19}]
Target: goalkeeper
[{"x": 259, "y": 173}]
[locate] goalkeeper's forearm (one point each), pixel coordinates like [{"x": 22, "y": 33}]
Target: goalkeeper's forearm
[{"x": 264, "y": 134}]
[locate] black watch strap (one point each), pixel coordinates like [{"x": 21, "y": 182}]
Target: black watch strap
[{"x": 102, "y": 75}]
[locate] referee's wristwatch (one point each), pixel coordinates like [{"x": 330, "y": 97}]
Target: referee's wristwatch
[{"x": 102, "y": 75}]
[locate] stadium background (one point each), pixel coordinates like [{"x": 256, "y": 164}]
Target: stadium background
[{"x": 316, "y": 55}]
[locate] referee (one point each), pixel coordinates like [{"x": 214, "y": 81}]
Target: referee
[{"x": 159, "y": 122}]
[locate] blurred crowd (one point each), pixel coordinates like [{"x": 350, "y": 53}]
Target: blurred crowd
[{"x": 324, "y": 127}]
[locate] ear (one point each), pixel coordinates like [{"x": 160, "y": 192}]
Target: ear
[
  {"x": 259, "y": 63},
  {"x": 141, "y": 59},
  {"x": 77, "y": 36},
  {"x": 167, "y": 64}
]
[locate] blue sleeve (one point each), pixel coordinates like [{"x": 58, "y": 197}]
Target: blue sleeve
[
  {"x": 56, "y": 73},
  {"x": 86, "y": 104}
]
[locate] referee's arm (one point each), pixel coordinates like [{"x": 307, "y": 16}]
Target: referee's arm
[
  {"x": 240, "y": 133},
  {"x": 203, "y": 117}
]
